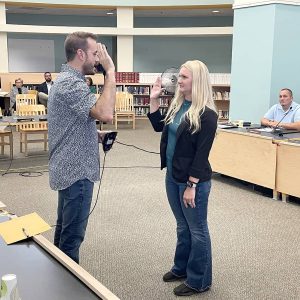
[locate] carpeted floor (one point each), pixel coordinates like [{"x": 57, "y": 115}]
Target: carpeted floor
[{"x": 131, "y": 237}]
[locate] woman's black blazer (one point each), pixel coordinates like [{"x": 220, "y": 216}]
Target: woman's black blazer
[{"x": 191, "y": 150}]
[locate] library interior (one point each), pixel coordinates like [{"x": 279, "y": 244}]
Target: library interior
[{"x": 174, "y": 125}]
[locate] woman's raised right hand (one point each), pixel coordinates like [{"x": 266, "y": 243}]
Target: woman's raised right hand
[{"x": 154, "y": 95}]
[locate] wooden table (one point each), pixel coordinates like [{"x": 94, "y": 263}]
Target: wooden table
[
  {"x": 44, "y": 272},
  {"x": 245, "y": 156},
  {"x": 288, "y": 168}
]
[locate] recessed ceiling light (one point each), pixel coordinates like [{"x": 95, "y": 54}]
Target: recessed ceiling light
[{"x": 215, "y": 11}]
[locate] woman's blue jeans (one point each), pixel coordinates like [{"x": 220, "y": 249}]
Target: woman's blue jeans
[
  {"x": 73, "y": 211},
  {"x": 193, "y": 249}
]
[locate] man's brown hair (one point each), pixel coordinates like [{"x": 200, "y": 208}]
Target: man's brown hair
[
  {"x": 77, "y": 40},
  {"x": 290, "y": 91}
]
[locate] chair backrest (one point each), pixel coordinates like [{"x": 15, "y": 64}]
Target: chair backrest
[
  {"x": 33, "y": 126},
  {"x": 124, "y": 102},
  {"x": 32, "y": 110},
  {"x": 25, "y": 99},
  {"x": 32, "y": 92}
]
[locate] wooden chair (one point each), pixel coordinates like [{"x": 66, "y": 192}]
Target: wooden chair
[
  {"x": 33, "y": 92},
  {"x": 32, "y": 110},
  {"x": 32, "y": 128},
  {"x": 3, "y": 134},
  {"x": 124, "y": 109},
  {"x": 25, "y": 99}
]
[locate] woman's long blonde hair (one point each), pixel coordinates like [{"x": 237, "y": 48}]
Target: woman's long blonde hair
[{"x": 201, "y": 96}]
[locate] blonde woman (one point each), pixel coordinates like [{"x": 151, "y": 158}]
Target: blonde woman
[{"x": 188, "y": 131}]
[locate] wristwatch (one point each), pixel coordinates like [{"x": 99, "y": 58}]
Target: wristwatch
[{"x": 191, "y": 184}]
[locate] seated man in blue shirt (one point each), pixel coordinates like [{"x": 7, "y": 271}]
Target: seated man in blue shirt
[{"x": 287, "y": 112}]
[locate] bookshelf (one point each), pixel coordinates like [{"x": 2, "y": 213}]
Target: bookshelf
[
  {"x": 139, "y": 84},
  {"x": 141, "y": 95},
  {"x": 221, "y": 96},
  {"x": 141, "y": 98}
]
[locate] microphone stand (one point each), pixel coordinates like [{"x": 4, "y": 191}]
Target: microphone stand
[{"x": 276, "y": 129}]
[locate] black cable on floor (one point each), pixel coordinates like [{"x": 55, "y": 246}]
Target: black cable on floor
[
  {"x": 133, "y": 146},
  {"x": 31, "y": 174}
]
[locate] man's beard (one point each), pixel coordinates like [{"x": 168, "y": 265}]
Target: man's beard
[
  {"x": 48, "y": 80},
  {"x": 88, "y": 69}
]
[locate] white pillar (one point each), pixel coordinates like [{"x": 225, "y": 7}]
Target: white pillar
[
  {"x": 3, "y": 41},
  {"x": 124, "y": 43}
]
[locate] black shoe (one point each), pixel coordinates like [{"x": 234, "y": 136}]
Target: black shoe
[
  {"x": 169, "y": 277},
  {"x": 184, "y": 290}
]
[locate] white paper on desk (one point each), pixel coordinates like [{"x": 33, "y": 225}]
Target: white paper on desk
[
  {"x": 2, "y": 205},
  {"x": 267, "y": 129},
  {"x": 226, "y": 126}
]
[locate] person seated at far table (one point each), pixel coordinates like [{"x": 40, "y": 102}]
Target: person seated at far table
[
  {"x": 89, "y": 82},
  {"x": 44, "y": 89},
  {"x": 287, "y": 112},
  {"x": 17, "y": 89}
]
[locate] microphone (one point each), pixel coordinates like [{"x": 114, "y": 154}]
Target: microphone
[
  {"x": 108, "y": 140},
  {"x": 276, "y": 129}
]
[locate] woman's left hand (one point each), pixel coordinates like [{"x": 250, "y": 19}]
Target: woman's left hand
[{"x": 189, "y": 197}]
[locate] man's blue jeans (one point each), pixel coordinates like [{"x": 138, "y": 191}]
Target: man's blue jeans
[
  {"x": 193, "y": 249},
  {"x": 73, "y": 210}
]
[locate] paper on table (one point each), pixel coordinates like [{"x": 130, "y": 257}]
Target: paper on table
[
  {"x": 23, "y": 227},
  {"x": 266, "y": 129},
  {"x": 2, "y": 205}
]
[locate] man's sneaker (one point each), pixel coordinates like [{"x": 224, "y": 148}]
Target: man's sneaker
[
  {"x": 184, "y": 290},
  {"x": 169, "y": 277}
]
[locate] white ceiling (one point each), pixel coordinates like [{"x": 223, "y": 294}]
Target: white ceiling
[{"x": 102, "y": 12}]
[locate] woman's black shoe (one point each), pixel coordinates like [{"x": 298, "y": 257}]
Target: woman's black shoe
[
  {"x": 183, "y": 290},
  {"x": 169, "y": 277}
]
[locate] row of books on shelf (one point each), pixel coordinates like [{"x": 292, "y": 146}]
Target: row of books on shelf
[
  {"x": 138, "y": 90},
  {"x": 143, "y": 111},
  {"x": 146, "y": 101},
  {"x": 215, "y": 78},
  {"x": 224, "y": 95},
  {"x": 131, "y": 77},
  {"x": 223, "y": 114}
]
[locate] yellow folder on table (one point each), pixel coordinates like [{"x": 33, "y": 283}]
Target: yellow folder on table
[{"x": 22, "y": 228}]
